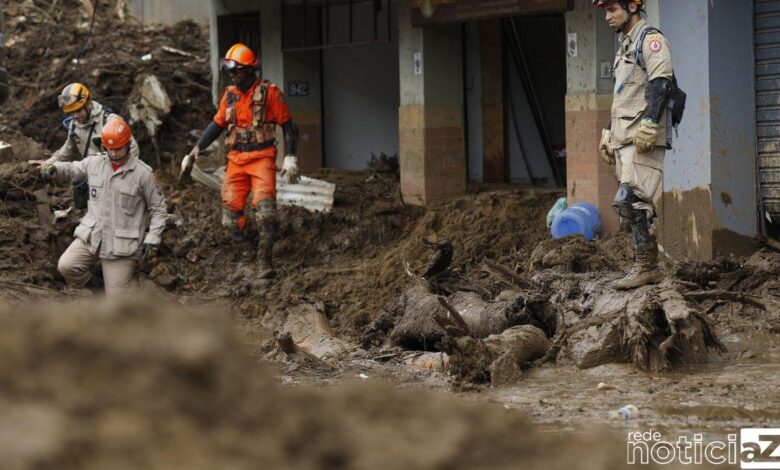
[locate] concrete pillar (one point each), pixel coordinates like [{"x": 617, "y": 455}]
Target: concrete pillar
[
  {"x": 588, "y": 103},
  {"x": 431, "y": 142},
  {"x": 271, "y": 42},
  {"x": 493, "y": 141},
  {"x": 709, "y": 205}
]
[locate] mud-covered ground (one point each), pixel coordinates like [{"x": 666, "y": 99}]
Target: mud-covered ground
[{"x": 156, "y": 383}]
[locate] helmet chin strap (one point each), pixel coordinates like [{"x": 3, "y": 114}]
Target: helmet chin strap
[{"x": 628, "y": 19}]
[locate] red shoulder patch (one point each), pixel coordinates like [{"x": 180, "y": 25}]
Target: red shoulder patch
[{"x": 655, "y": 45}]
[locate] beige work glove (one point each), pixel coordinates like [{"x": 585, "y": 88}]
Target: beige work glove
[
  {"x": 290, "y": 168},
  {"x": 606, "y": 152},
  {"x": 645, "y": 137}
]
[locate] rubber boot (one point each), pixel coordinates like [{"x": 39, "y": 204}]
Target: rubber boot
[
  {"x": 266, "y": 230},
  {"x": 645, "y": 268}
]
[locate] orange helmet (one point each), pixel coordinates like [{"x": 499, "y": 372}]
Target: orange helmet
[
  {"x": 116, "y": 134},
  {"x": 239, "y": 56},
  {"x": 73, "y": 97}
]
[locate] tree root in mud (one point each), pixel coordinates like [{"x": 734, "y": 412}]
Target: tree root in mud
[
  {"x": 417, "y": 327},
  {"x": 653, "y": 327},
  {"x": 497, "y": 358},
  {"x": 590, "y": 324}
]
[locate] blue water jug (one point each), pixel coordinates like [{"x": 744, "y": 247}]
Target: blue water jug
[{"x": 581, "y": 218}]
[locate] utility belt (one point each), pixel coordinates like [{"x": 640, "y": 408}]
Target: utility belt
[
  {"x": 253, "y": 146},
  {"x": 250, "y": 138}
]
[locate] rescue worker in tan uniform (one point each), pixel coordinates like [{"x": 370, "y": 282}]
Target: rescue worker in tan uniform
[
  {"x": 85, "y": 121},
  {"x": 250, "y": 110},
  {"x": 123, "y": 195},
  {"x": 636, "y": 138}
]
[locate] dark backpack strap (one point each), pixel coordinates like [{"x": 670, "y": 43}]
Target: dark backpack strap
[
  {"x": 640, "y": 58},
  {"x": 107, "y": 112},
  {"x": 89, "y": 141}
]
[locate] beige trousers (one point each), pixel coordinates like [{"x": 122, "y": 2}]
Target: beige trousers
[
  {"x": 75, "y": 264},
  {"x": 642, "y": 172}
]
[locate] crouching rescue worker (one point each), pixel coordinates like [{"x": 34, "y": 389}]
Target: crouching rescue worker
[
  {"x": 122, "y": 195},
  {"x": 637, "y": 135},
  {"x": 250, "y": 109},
  {"x": 85, "y": 122}
]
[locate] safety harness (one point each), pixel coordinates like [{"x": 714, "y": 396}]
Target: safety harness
[{"x": 257, "y": 136}]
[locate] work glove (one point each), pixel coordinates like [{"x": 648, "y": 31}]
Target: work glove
[
  {"x": 606, "y": 152},
  {"x": 290, "y": 168},
  {"x": 150, "y": 251},
  {"x": 646, "y": 136},
  {"x": 49, "y": 171},
  {"x": 195, "y": 152}
]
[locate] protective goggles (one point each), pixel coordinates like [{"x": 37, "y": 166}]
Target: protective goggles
[
  {"x": 231, "y": 65},
  {"x": 69, "y": 100}
]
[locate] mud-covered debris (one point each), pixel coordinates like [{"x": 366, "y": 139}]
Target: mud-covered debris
[
  {"x": 571, "y": 255},
  {"x": 308, "y": 328},
  {"x": 417, "y": 327},
  {"x": 498, "y": 358},
  {"x": 435, "y": 361},
  {"x": 149, "y": 104}
]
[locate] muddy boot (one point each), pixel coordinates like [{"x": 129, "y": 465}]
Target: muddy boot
[
  {"x": 645, "y": 269},
  {"x": 266, "y": 230}
]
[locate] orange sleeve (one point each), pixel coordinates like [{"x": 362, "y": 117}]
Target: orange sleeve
[
  {"x": 220, "y": 118},
  {"x": 277, "y": 110}
]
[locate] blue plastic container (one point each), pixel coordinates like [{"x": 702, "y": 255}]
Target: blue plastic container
[
  {"x": 593, "y": 215},
  {"x": 579, "y": 219}
]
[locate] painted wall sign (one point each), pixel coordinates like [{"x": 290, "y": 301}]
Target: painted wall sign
[
  {"x": 457, "y": 11},
  {"x": 297, "y": 88}
]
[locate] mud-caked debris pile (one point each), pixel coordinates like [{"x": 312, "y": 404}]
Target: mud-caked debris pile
[{"x": 49, "y": 44}]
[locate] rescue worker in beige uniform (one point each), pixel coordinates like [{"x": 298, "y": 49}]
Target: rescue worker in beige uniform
[
  {"x": 85, "y": 121},
  {"x": 122, "y": 196},
  {"x": 636, "y": 138}
]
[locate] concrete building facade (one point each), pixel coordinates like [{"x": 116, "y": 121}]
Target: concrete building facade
[{"x": 519, "y": 92}]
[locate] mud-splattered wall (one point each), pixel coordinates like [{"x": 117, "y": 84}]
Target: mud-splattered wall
[{"x": 708, "y": 205}]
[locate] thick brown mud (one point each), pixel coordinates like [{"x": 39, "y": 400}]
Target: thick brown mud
[{"x": 362, "y": 291}]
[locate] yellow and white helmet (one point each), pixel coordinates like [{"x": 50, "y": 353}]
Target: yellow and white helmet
[{"x": 73, "y": 97}]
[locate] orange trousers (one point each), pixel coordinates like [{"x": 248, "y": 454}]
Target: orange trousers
[{"x": 257, "y": 176}]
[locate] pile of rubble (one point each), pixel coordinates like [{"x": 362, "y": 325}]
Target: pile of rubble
[{"x": 50, "y": 43}]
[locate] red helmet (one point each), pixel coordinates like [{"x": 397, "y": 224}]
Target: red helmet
[
  {"x": 116, "y": 134},
  {"x": 604, "y": 3},
  {"x": 239, "y": 56}
]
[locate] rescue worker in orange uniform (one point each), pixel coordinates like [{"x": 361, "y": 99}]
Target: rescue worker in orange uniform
[{"x": 251, "y": 109}]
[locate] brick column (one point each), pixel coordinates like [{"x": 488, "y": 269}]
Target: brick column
[
  {"x": 431, "y": 141},
  {"x": 588, "y": 178},
  {"x": 432, "y": 153}
]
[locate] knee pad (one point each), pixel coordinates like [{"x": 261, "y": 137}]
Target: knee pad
[
  {"x": 624, "y": 201},
  {"x": 235, "y": 222}
]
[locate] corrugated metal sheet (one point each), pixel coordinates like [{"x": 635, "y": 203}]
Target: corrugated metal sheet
[
  {"x": 767, "y": 34},
  {"x": 311, "y": 194}
]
